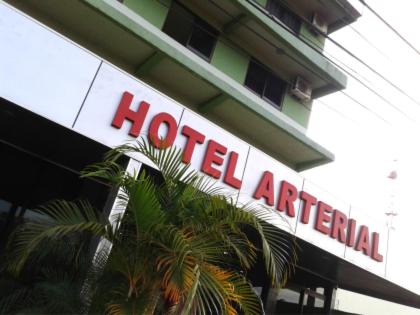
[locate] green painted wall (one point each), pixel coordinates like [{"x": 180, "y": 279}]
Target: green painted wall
[
  {"x": 226, "y": 58},
  {"x": 234, "y": 63},
  {"x": 311, "y": 38},
  {"x": 262, "y": 3},
  {"x": 231, "y": 61},
  {"x": 152, "y": 10},
  {"x": 296, "y": 110}
]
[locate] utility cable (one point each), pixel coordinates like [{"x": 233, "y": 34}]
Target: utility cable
[
  {"x": 365, "y": 107},
  {"x": 315, "y": 73},
  {"x": 390, "y": 27},
  {"x": 329, "y": 56},
  {"x": 371, "y": 89},
  {"x": 383, "y": 77},
  {"x": 311, "y": 70},
  {"x": 338, "y": 112},
  {"x": 290, "y": 56},
  {"x": 369, "y": 42}
]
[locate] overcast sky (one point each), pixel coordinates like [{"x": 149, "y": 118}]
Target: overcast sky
[{"x": 367, "y": 145}]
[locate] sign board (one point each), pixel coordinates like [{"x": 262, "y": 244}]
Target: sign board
[{"x": 119, "y": 108}]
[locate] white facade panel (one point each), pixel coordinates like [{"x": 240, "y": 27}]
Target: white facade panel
[
  {"x": 100, "y": 107},
  {"x": 258, "y": 164},
  {"x": 309, "y": 233},
  {"x": 217, "y": 134},
  {"x": 41, "y": 71},
  {"x": 357, "y": 257}
]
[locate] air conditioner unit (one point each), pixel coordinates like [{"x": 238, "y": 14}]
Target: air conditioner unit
[
  {"x": 301, "y": 89},
  {"x": 319, "y": 24}
]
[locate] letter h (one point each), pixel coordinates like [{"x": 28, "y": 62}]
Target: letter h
[{"x": 124, "y": 112}]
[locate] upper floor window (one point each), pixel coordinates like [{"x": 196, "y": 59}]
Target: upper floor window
[
  {"x": 190, "y": 31},
  {"x": 265, "y": 83},
  {"x": 290, "y": 19}
]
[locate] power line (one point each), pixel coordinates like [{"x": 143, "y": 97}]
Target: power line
[
  {"x": 338, "y": 112},
  {"x": 365, "y": 107},
  {"x": 357, "y": 32},
  {"x": 362, "y": 83},
  {"x": 314, "y": 72},
  {"x": 375, "y": 71},
  {"x": 330, "y": 57},
  {"x": 346, "y": 116},
  {"x": 368, "y": 42},
  {"x": 357, "y": 79},
  {"x": 299, "y": 62},
  {"x": 390, "y": 27},
  {"x": 383, "y": 77}
]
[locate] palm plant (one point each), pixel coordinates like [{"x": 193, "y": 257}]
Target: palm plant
[
  {"x": 50, "y": 281},
  {"x": 182, "y": 246}
]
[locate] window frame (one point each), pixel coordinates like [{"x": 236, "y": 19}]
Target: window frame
[
  {"x": 279, "y": 20},
  {"x": 269, "y": 72},
  {"x": 195, "y": 26}
]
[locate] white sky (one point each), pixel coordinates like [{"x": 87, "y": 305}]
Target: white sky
[{"x": 365, "y": 146}]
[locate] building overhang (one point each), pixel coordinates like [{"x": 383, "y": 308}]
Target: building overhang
[
  {"x": 336, "y": 13},
  {"x": 316, "y": 266},
  {"x": 295, "y": 55}
]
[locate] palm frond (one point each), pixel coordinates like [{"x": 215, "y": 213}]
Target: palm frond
[
  {"x": 56, "y": 220},
  {"x": 179, "y": 245},
  {"x": 143, "y": 205},
  {"x": 19, "y": 297},
  {"x": 278, "y": 246}
]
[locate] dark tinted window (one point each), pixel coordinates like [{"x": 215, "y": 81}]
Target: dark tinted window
[
  {"x": 265, "y": 83},
  {"x": 179, "y": 24},
  {"x": 255, "y": 78},
  {"x": 190, "y": 31},
  {"x": 283, "y": 14},
  {"x": 41, "y": 161},
  {"x": 203, "y": 38},
  {"x": 274, "y": 89}
]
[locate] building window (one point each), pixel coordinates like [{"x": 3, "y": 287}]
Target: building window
[
  {"x": 190, "y": 31},
  {"x": 290, "y": 19},
  {"x": 42, "y": 167},
  {"x": 265, "y": 83}
]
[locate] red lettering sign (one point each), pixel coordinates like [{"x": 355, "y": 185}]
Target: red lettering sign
[
  {"x": 193, "y": 138},
  {"x": 323, "y": 216},
  {"x": 212, "y": 157},
  {"x": 230, "y": 178},
  {"x": 265, "y": 188},
  {"x": 124, "y": 112},
  {"x": 327, "y": 221},
  {"x": 339, "y": 225},
  {"x": 288, "y": 195},
  {"x": 375, "y": 247},
  {"x": 157, "y": 121},
  {"x": 362, "y": 243},
  {"x": 351, "y": 232},
  {"x": 307, "y": 202}
]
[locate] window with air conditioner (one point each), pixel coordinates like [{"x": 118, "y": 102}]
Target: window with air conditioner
[
  {"x": 265, "y": 83},
  {"x": 190, "y": 31},
  {"x": 287, "y": 17}
]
